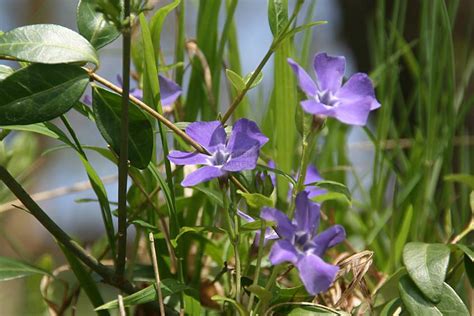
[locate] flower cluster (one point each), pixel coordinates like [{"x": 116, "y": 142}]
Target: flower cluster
[{"x": 297, "y": 240}]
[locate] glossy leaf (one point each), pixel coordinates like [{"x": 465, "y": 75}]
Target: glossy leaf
[
  {"x": 47, "y": 44},
  {"x": 256, "y": 200},
  {"x": 148, "y": 294},
  {"x": 93, "y": 26},
  {"x": 5, "y": 71},
  {"x": 449, "y": 305},
  {"x": 427, "y": 265},
  {"x": 107, "y": 109},
  {"x": 13, "y": 269},
  {"x": 40, "y": 93}
]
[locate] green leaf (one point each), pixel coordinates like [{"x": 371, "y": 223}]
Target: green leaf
[
  {"x": 427, "y": 265},
  {"x": 402, "y": 235},
  {"x": 107, "y": 108},
  {"x": 156, "y": 23},
  {"x": 257, "y": 80},
  {"x": 47, "y": 44},
  {"x": 40, "y": 93},
  {"x": 145, "y": 225},
  {"x": 240, "y": 308},
  {"x": 192, "y": 305},
  {"x": 301, "y": 28},
  {"x": 449, "y": 305},
  {"x": 93, "y": 25},
  {"x": 333, "y": 186},
  {"x": 468, "y": 251},
  {"x": 466, "y": 179},
  {"x": 389, "y": 289},
  {"x": 13, "y": 269},
  {"x": 148, "y": 294},
  {"x": 195, "y": 230},
  {"x": 277, "y": 15},
  {"x": 235, "y": 79},
  {"x": 5, "y": 71},
  {"x": 85, "y": 280},
  {"x": 391, "y": 307},
  {"x": 256, "y": 200}
]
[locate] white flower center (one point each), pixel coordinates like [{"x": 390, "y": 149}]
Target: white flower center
[{"x": 326, "y": 97}]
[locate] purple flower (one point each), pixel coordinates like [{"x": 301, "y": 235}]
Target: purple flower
[
  {"x": 301, "y": 245},
  {"x": 239, "y": 152},
  {"x": 349, "y": 103}
]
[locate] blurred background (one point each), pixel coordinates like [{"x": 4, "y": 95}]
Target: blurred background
[{"x": 51, "y": 171}]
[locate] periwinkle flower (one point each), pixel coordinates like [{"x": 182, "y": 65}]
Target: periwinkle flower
[
  {"x": 237, "y": 153},
  {"x": 301, "y": 245},
  {"x": 350, "y": 103}
]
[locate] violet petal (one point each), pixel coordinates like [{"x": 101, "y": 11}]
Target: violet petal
[
  {"x": 283, "y": 251},
  {"x": 208, "y": 134},
  {"x": 203, "y": 174},
  {"x": 307, "y": 214},
  {"x": 188, "y": 158},
  {"x": 304, "y": 80},
  {"x": 358, "y": 86},
  {"x": 329, "y": 71},
  {"x": 328, "y": 238},
  {"x": 284, "y": 227},
  {"x": 316, "y": 275}
]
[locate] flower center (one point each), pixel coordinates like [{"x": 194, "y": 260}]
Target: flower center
[
  {"x": 326, "y": 97},
  {"x": 220, "y": 156},
  {"x": 302, "y": 240}
]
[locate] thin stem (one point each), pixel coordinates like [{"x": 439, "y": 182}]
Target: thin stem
[
  {"x": 270, "y": 283},
  {"x": 123, "y": 156},
  {"x": 307, "y": 146},
  {"x": 157, "y": 273},
  {"x": 276, "y": 42},
  {"x": 261, "y": 243},
  {"x": 35, "y": 210},
  {"x": 238, "y": 264}
]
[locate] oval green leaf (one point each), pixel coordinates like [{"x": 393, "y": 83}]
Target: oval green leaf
[
  {"x": 449, "y": 305},
  {"x": 39, "y": 93},
  {"x": 93, "y": 26},
  {"x": 107, "y": 108},
  {"x": 47, "y": 44},
  {"x": 427, "y": 265},
  {"x": 13, "y": 269}
]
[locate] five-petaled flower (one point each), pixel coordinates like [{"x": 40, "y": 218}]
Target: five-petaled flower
[
  {"x": 301, "y": 245},
  {"x": 238, "y": 152},
  {"x": 349, "y": 103}
]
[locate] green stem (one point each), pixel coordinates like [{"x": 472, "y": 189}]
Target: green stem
[
  {"x": 270, "y": 283},
  {"x": 307, "y": 147},
  {"x": 123, "y": 157},
  {"x": 35, "y": 210},
  {"x": 276, "y": 42},
  {"x": 259, "y": 263}
]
